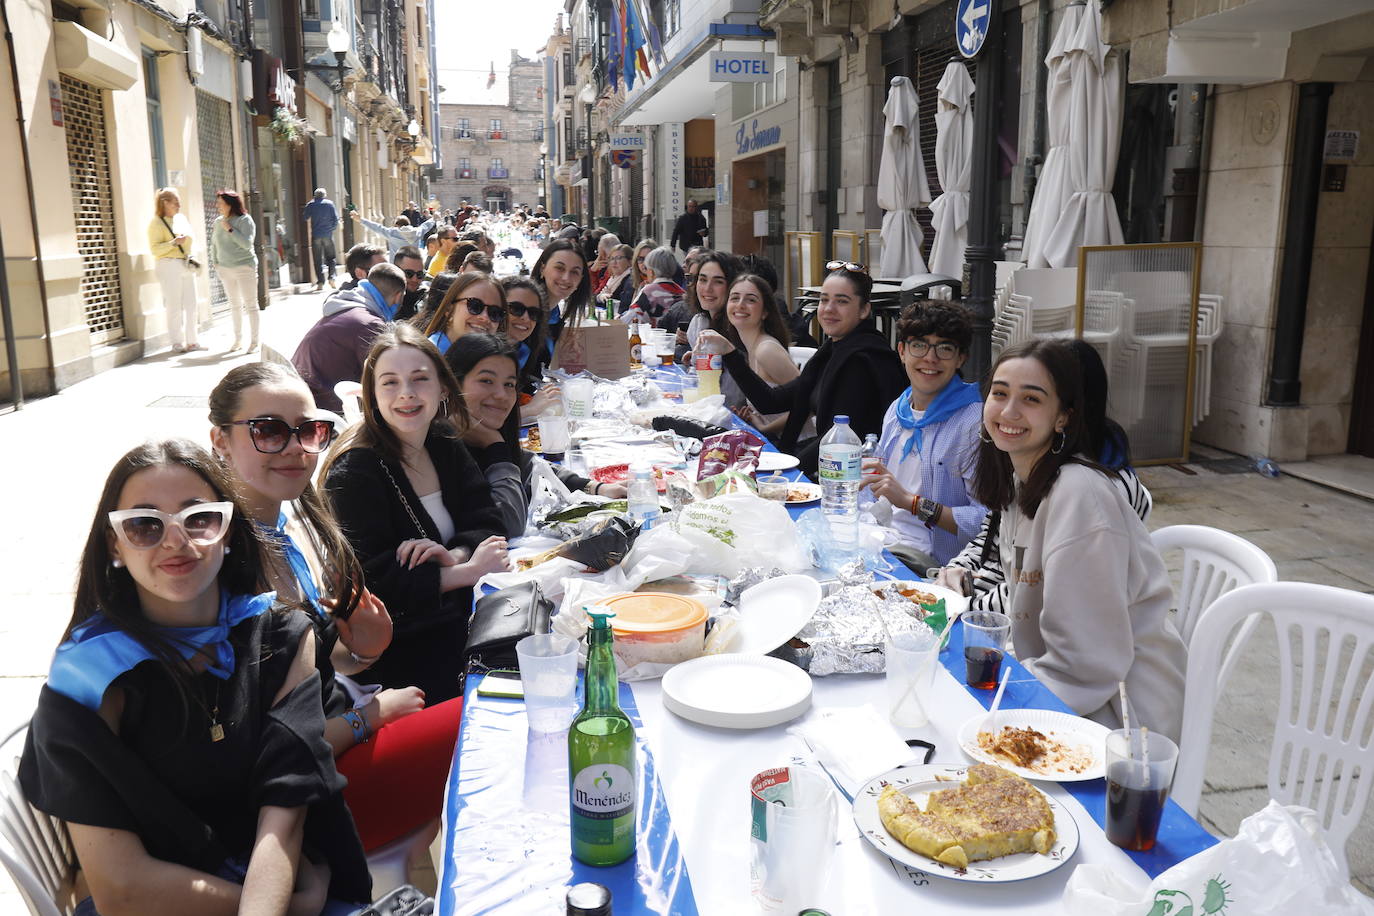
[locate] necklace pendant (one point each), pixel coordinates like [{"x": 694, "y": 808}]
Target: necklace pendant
[{"x": 216, "y": 730}]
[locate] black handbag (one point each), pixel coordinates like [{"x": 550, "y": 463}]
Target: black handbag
[{"x": 502, "y": 619}]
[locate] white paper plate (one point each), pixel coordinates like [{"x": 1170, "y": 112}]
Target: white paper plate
[
  {"x": 774, "y": 611},
  {"x": 777, "y": 461},
  {"x": 814, "y": 489},
  {"x": 919, "y": 781},
  {"x": 1071, "y": 730},
  {"x": 737, "y": 691}
]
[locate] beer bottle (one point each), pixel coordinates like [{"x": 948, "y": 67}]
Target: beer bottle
[
  {"x": 636, "y": 347},
  {"x": 601, "y": 759}
]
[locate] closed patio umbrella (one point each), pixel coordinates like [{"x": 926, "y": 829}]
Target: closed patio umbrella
[
  {"x": 1052, "y": 189},
  {"x": 902, "y": 184},
  {"x": 954, "y": 167},
  {"x": 1089, "y": 216}
]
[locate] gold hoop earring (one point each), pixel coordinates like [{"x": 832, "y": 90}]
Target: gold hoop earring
[{"x": 1062, "y": 439}]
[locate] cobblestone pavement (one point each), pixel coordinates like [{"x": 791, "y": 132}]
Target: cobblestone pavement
[{"x": 58, "y": 450}]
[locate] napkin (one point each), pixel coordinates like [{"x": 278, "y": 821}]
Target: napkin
[{"x": 854, "y": 744}]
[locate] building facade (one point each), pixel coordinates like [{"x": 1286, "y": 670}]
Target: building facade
[{"x": 491, "y": 153}]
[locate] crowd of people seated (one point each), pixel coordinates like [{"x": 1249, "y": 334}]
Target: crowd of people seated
[{"x": 254, "y": 665}]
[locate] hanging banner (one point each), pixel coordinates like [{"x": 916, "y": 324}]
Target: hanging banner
[{"x": 741, "y": 66}]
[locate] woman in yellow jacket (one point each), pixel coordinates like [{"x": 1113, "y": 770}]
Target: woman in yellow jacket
[{"x": 169, "y": 236}]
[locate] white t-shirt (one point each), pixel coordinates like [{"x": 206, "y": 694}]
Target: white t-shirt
[{"x": 434, "y": 505}]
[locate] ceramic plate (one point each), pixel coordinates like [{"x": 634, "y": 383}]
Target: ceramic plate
[
  {"x": 737, "y": 691},
  {"x": 1084, "y": 735},
  {"x": 920, "y": 781},
  {"x": 774, "y": 611},
  {"x": 799, "y": 493},
  {"x": 777, "y": 461}
]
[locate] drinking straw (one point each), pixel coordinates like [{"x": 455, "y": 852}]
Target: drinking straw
[
  {"x": 1125, "y": 712},
  {"x": 1145, "y": 753},
  {"x": 997, "y": 701}
]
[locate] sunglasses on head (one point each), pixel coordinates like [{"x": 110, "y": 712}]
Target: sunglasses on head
[
  {"x": 143, "y": 529},
  {"x": 477, "y": 306},
  {"x": 271, "y": 435},
  {"x": 851, "y": 266},
  {"x": 519, "y": 309}
]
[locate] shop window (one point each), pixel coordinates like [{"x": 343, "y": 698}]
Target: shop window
[{"x": 152, "y": 90}]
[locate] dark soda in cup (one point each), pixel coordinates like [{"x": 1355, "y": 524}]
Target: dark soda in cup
[
  {"x": 982, "y": 666},
  {"x": 1133, "y": 814}
]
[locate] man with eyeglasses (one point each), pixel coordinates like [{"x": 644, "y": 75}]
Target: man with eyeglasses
[
  {"x": 333, "y": 350},
  {"x": 923, "y": 471},
  {"x": 448, "y": 240},
  {"x": 412, "y": 264}
]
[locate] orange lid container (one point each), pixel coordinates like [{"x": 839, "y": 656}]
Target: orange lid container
[{"x": 642, "y": 613}]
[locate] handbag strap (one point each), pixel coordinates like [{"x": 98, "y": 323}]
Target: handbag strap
[
  {"x": 405, "y": 502},
  {"x": 174, "y": 235}
]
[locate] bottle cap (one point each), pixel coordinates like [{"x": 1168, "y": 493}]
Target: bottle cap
[
  {"x": 588, "y": 899},
  {"x": 841, "y": 418},
  {"x": 599, "y": 615}
]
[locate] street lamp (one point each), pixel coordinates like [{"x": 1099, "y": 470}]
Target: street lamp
[
  {"x": 339, "y": 42},
  {"x": 413, "y": 128}
]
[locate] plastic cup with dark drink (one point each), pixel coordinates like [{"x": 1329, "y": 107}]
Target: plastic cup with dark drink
[
  {"x": 985, "y": 645},
  {"x": 1140, "y": 771}
]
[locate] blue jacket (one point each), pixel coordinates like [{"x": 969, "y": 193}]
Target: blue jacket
[{"x": 323, "y": 216}]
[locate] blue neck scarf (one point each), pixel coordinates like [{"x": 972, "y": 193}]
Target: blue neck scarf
[
  {"x": 99, "y": 651},
  {"x": 440, "y": 340},
  {"x": 305, "y": 579},
  {"x": 522, "y": 353},
  {"x": 379, "y": 306},
  {"x": 953, "y": 398}
]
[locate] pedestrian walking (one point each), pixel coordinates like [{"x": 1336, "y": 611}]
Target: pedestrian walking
[
  {"x": 169, "y": 236},
  {"x": 323, "y": 218},
  {"x": 231, "y": 253},
  {"x": 690, "y": 229}
]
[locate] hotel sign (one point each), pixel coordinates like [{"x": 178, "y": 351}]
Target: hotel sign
[{"x": 741, "y": 66}]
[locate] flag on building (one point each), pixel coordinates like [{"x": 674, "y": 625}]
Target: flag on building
[
  {"x": 623, "y": 13},
  {"x": 491, "y": 76},
  {"x": 614, "y": 59},
  {"x": 655, "y": 39}
]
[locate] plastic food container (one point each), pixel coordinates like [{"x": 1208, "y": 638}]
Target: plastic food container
[{"x": 657, "y": 627}]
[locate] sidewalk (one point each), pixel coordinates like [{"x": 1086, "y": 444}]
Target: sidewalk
[{"x": 61, "y": 447}]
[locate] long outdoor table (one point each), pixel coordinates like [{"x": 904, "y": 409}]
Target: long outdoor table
[{"x": 507, "y": 847}]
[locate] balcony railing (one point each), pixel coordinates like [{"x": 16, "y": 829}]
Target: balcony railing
[
  {"x": 498, "y": 173},
  {"x": 463, "y": 133},
  {"x": 464, "y": 173}
]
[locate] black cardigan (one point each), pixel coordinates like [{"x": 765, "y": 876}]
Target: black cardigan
[
  {"x": 376, "y": 522},
  {"x": 858, "y": 375}
]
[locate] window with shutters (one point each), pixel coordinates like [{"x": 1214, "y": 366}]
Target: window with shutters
[
  {"x": 214, "y": 127},
  {"x": 88, "y": 160},
  {"x": 153, "y": 92}
]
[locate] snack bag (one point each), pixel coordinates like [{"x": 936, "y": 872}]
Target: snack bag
[{"x": 736, "y": 450}]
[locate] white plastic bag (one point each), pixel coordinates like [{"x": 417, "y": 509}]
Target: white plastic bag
[
  {"x": 1277, "y": 865},
  {"x": 737, "y": 530}
]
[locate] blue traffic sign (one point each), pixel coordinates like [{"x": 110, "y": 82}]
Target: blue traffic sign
[{"x": 971, "y": 25}]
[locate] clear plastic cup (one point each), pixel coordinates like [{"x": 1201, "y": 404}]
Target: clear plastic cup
[
  {"x": 548, "y": 675},
  {"x": 577, "y": 398},
  {"x": 554, "y": 437},
  {"x": 985, "y": 645},
  {"x": 773, "y": 486},
  {"x": 1140, "y": 773},
  {"x": 792, "y": 838},
  {"x": 911, "y": 658}
]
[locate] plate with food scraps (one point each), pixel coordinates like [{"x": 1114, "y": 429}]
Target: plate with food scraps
[
  {"x": 1026, "y": 806},
  {"x": 799, "y": 493},
  {"x": 620, "y": 473},
  {"x": 923, "y": 593},
  {"x": 777, "y": 461},
  {"x": 1039, "y": 744}
]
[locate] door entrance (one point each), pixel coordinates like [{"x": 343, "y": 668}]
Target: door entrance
[{"x": 88, "y": 158}]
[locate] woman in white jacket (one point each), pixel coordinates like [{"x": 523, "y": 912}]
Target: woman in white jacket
[
  {"x": 169, "y": 238},
  {"x": 1088, "y": 594}
]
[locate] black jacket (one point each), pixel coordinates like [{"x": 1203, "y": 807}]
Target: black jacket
[
  {"x": 687, "y": 231},
  {"x": 859, "y": 375}
]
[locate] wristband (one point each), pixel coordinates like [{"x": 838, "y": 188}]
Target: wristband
[
  {"x": 364, "y": 660},
  {"x": 358, "y": 723}
]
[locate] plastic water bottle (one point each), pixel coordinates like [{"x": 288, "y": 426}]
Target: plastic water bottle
[
  {"x": 866, "y": 497},
  {"x": 1264, "y": 466},
  {"x": 839, "y": 464},
  {"x": 642, "y": 495},
  {"x": 870, "y": 445}
]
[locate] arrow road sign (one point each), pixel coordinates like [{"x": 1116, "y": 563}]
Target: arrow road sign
[{"x": 971, "y": 26}]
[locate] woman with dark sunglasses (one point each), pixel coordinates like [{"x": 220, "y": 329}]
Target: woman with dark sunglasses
[
  {"x": 526, "y": 329},
  {"x": 180, "y": 735},
  {"x": 475, "y": 302},
  {"x": 378, "y": 737},
  {"x": 854, "y": 372}
]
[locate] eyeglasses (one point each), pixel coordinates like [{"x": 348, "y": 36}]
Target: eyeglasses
[
  {"x": 850, "y": 266},
  {"x": 143, "y": 529},
  {"x": 271, "y": 436},
  {"x": 412, "y": 274},
  {"x": 477, "y": 306},
  {"x": 944, "y": 349},
  {"x": 519, "y": 309}
]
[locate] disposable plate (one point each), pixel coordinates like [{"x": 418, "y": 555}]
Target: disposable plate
[{"x": 737, "y": 691}]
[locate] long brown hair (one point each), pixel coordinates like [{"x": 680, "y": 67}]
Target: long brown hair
[
  {"x": 772, "y": 323},
  {"x": 373, "y": 432},
  {"x": 439, "y": 319},
  {"x": 535, "y": 343},
  {"x": 102, "y": 589},
  {"x": 342, "y": 573},
  {"x": 994, "y": 482}
]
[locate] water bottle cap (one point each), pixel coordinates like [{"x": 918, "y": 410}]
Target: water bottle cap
[{"x": 841, "y": 418}]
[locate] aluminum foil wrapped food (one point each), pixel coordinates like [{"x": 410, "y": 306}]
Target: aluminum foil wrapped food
[
  {"x": 748, "y": 578},
  {"x": 847, "y": 633}
]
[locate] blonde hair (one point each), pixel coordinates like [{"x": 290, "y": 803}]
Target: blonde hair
[{"x": 164, "y": 195}]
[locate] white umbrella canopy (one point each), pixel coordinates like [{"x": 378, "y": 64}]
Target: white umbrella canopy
[
  {"x": 1052, "y": 189},
  {"x": 902, "y": 184},
  {"x": 954, "y": 167},
  {"x": 1089, "y": 216}
]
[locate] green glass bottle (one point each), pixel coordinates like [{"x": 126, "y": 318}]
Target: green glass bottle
[{"x": 601, "y": 759}]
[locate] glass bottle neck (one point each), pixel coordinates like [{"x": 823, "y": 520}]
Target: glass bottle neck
[{"x": 602, "y": 688}]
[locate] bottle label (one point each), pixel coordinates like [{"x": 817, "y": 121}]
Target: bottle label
[
  {"x": 636, "y": 352},
  {"x": 705, "y": 362},
  {"x": 602, "y": 793},
  {"x": 842, "y": 465}
]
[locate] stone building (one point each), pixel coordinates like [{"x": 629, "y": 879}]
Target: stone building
[{"x": 490, "y": 153}]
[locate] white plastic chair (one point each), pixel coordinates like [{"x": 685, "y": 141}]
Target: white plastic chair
[
  {"x": 389, "y": 865},
  {"x": 1214, "y": 563},
  {"x": 1321, "y": 753},
  {"x": 34, "y": 847},
  {"x": 801, "y": 355},
  {"x": 348, "y": 393}
]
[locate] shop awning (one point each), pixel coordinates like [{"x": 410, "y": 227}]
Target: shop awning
[{"x": 683, "y": 89}]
